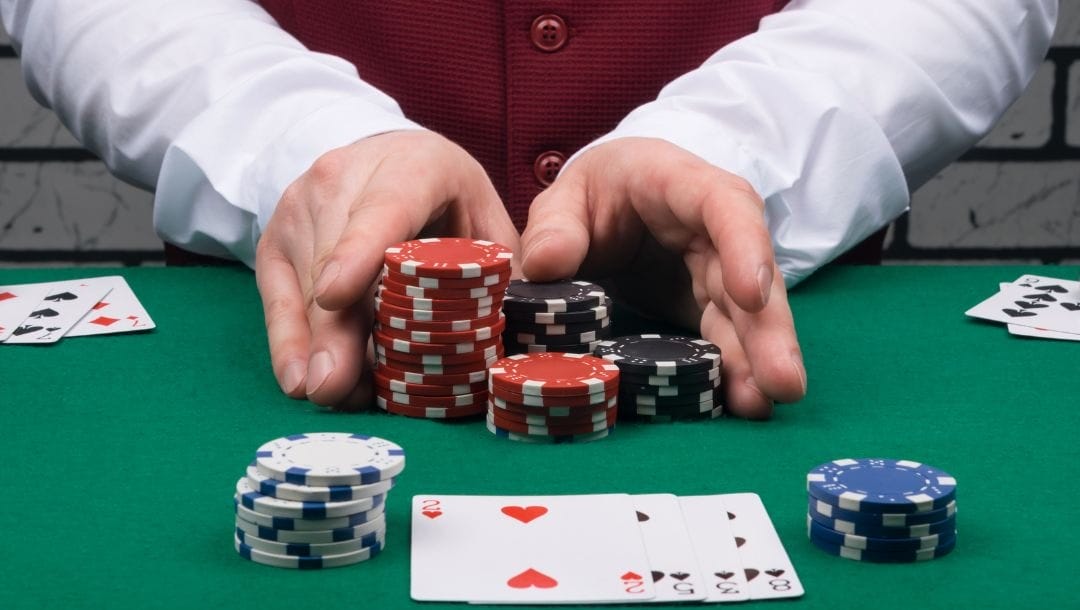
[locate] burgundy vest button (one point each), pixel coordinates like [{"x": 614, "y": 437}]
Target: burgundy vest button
[
  {"x": 547, "y": 166},
  {"x": 549, "y": 33}
]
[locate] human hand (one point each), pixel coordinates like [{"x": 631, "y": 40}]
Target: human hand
[
  {"x": 317, "y": 263},
  {"x": 681, "y": 238}
]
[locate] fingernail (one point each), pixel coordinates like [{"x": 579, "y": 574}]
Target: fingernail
[
  {"x": 800, "y": 370},
  {"x": 764, "y": 282},
  {"x": 533, "y": 245},
  {"x": 322, "y": 364},
  {"x": 327, "y": 277},
  {"x": 294, "y": 375}
]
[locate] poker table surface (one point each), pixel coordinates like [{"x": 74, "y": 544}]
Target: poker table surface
[{"x": 121, "y": 452}]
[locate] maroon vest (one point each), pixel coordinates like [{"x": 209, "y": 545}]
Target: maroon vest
[{"x": 520, "y": 85}]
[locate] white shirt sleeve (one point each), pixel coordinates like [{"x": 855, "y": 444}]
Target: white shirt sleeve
[
  {"x": 207, "y": 101},
  {"x": 836, "y": 109}
]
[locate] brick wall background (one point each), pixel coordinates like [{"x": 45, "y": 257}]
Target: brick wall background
[{"x": 1014, "y": 198}]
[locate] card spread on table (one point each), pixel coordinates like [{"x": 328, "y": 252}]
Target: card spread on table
[
  {"x": 46, "y": 312},
  {"x": 605, "y": 548},
  {"x": 528, "y": 549},
  {"x": 1048, "y": 306}
]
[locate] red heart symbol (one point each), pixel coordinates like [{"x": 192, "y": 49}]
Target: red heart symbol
[
  {"x": 532, "y": 578},
  {"x": 524, "y": 514},
  {"x": 631, "y": 576},
  {"x": 431, "y": 514}
]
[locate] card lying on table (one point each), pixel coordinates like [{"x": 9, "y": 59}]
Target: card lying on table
[
  {"x": 594, "y": 549},
  {"x": 1035, "y": 306}
]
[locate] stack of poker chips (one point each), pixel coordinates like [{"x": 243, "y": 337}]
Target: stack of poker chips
[
  {"x": 552, "y": 397},
  {"x": 565, "y": 316},
  {"x": 438, "y": 326},
  {"x": 312, "y": 501},
  {"x": 666, "y": 377},
  {"x": 881, "y": 510}
]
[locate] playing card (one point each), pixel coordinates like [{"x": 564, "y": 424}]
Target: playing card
[
  {"x": 706, "y": 518},
  {"x": 63, "y": 305},
  {"x": 528, "y": 549},
  {"x": 769, "y": 572},
  {"x": 675, "y": 570},
  {"x": 16, "y": 303},
  {"x": 1041, "y": 333},
  {"x": 1035, "y": 301},
  {"x": 119, "y": 312}
]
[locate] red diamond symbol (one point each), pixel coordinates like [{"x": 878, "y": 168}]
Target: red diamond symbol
[
  {"x": 6, "y": 295},
  {"x": 100, "y": 305},
  {"x": 104, "y": 321}
]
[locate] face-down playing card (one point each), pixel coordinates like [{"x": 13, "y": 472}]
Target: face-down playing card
[{"x": 528, "y": 549}]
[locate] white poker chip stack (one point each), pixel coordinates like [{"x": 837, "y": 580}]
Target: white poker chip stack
[{"x": 312, "y": 501}]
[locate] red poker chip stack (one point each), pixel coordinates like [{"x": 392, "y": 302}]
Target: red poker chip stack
[
  {"x": 438, "y": 325},
  {"x": 552, "y": 397}
]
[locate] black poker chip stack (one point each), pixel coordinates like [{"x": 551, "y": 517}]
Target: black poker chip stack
[
  {"x": 666, "y": 377},
  {"x": 565, "y": 316}
]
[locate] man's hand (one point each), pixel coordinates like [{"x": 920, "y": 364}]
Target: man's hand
[
  {"x": 650, "y": 214},
  {"x": 318, "y": 261}
]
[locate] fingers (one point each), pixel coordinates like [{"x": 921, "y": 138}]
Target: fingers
[
  {"x": 285, "y": 315},
  {"x": 742, "y": 397},
  {"x": 557, "y": 235},
  {"x": 338, "y": 346}
]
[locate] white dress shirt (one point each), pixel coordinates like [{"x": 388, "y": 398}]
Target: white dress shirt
[{"x": 834, "y": 110}]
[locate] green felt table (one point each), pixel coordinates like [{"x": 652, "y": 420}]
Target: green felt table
[{"x": 120, "y": 453}]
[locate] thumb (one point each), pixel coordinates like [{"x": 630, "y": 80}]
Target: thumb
[{"x": 556, "y": 237}]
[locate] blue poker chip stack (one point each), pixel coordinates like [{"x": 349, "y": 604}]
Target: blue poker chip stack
[
  {"x": 565, "y": 316},
  {"x": 312, "y": 501},
  {"x": 665, "y": 377},
  {"x": 881, "y": 510}
]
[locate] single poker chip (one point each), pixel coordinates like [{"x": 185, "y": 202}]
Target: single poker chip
[
  {"x": 584, "y": 418},
  {"x": 652, "y": 354},
  {"x": 330, "y": 458},
  {"x": 308, "y": 549},
  {"x": 436, "y": 325},
  {"x": 447, "y": 353},
  {"x": 677, "y": 410},
  {"x": 628, "y": 399},
  {"x": 556, "y": 440},
  {"x": 882, "y": 520},
  {"x": 419, "y": 389},
  {"x": 406, "y": 290},
  {"x": 464, "y": 336},
  {"x": 551, "y": 411},
  {"x": 554, "y": 374},
  {"x": 513, "y": 347},
  {"x": 551, "y": 430},
  {"x": 495, "y": 279},
  {"x": 455, "y": 308},
  {"x": 378, "y": 524},
  {"x": 840, "y": 550},
  {"x": 881, "y": 485},
  {"x": 865, "y": 543},
  {"x": 303, "y": 493},
  {"x": 280, "y": 507},
  {"x": 434, "y": 369},
  {"x": 441, "y": 402},
  {"x": 552, "y": 297},
  {"x": 600, "y": 312},
  {"x": 445, "y": 380},
  {"x": 558, "y": 340},
  {"x": 430, "y": 412},
  {"x": 532, "y": 400},
  {"x": 944, "y": 527},
  {"x": 305, "y": 563},
  {"x": 556, "y": 330},
  {"x": 672, "y": 380},
  {"x": 714, "y": 413},
  {"x": 456, "y": 257},
  {"x": 289, "y": 523},
  {"x": 669, "y": 390}
]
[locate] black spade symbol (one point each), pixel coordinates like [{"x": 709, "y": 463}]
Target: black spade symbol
[
  {"x": 61, "y": 296},
  {"x": 641, "y": 516}
]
